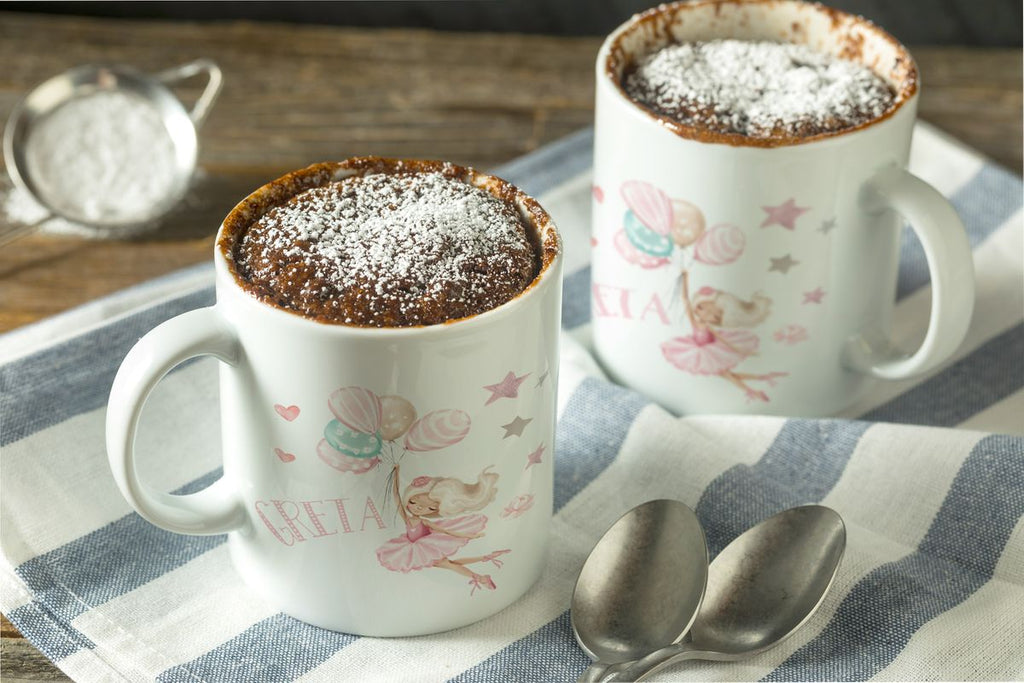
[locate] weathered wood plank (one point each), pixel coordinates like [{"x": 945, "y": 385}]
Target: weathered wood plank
[{"x": 19, "y": 661}]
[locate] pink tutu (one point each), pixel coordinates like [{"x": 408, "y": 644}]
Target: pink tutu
[
  {"x": 710, "y": 353},
  {"x": 420, "y": 546}
]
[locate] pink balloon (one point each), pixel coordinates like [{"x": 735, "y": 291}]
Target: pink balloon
[
  {"x": 437, "y": 429},
  {"x": 720, "y": 245},
  {"x": 651, "y": 205},
  {"x": 344, "y": 463},
  {"x": 634, "y": 255},
  {"x": 357, "y": 408}
]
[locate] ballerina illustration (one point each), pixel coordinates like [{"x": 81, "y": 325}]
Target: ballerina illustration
[
  {"x": 718, "y": 343},
  {"x": 658, "y": 231},
  {"x": 433, "y": 532}
]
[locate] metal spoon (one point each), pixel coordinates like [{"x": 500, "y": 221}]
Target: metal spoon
[
  {"x": 640, "y": 588},
  {"x": 761, "y": 588}
]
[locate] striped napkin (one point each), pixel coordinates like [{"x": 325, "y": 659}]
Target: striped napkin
[{"x": 928, "y": 475}]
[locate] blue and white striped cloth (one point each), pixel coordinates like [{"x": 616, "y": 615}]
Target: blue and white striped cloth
[{"x": 928, "y": 474}]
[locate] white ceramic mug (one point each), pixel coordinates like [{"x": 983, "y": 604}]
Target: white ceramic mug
[
  {"x": 383, "y": 482},
  {"x": 737, "y": 275}
]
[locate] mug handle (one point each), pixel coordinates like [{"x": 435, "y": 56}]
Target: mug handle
[
  {"x": 950, "y": 264},
  {"x": 215, "y": 79},
  {"x": 216, "y": 509}
]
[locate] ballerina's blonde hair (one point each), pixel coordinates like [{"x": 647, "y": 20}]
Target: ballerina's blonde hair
[
  {"x": 735, "y": 311},
  {"x": 455, "y": 496}
]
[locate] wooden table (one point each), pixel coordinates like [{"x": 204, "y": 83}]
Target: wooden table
[{"x": 294, "y": 95}]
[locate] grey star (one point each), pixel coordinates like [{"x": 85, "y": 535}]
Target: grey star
[
  {"x": 827, "y": 225},
  {"x": 516, "y": 426},
  {"x": 782, "y": 264},
  {"x": 540, "y": 380}
]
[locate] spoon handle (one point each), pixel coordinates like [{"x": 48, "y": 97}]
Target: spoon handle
[
  {"x": 594, "y": 673},
  {"x": 645, "y": 666}
]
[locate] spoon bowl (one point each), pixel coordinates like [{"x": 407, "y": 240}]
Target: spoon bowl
[
  {"x": 769, "y": 581},
  {"x": 642, "y": 584}
]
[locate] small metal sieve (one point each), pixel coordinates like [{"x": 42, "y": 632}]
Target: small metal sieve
[{"x": 181, "y": 125}]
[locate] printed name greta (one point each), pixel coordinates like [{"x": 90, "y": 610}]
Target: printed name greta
[
  {"x": 620, "y": 302},
  {"x": 293, "y": 522}
]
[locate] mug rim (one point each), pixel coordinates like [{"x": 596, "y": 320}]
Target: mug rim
[
  {"x": 610, "y": 58},
  {"x": 283, "y": 188}
]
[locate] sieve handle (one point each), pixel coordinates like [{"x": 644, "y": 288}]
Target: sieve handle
[
  {"x": 18, "y": 231},
  {"x": 215, "y": 79}
]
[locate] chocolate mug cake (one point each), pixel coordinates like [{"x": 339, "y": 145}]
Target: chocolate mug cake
[
  {"x": 377, "y": 319},
  {"x": 394, "y": 244},
  {"x": 758, "y": 89},
  {"x": 750, "y": 191}
]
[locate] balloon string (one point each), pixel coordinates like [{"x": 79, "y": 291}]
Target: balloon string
[
  {"x": 674, "y": 295},
  {"x": 387, "y": 496},
  {"x": 688, "y": 258}
]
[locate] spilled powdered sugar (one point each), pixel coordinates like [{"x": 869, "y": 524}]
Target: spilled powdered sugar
[
  {"x": 758, "y": 89},
  {"x": 389, "y": 250}
]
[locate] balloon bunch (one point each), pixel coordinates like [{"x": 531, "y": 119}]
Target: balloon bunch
[
  {"x": 655, "y": 225},
  {"x": 368, "y": 427}
]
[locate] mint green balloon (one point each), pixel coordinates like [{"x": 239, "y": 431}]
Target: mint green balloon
[
  {"x": 355, "y": 444},
  {"x": 645, "y": 239}
]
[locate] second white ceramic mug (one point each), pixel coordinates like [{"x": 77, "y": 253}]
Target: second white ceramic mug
[
  {"x": 737, "y": 275},
  {"x": 377, "y": 481}
]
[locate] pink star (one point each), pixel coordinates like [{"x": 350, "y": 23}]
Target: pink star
[
  {"x": 814, "y": 296},
  {"x": 506, "y": 388},
  {"x": 534, "y": 458},
  {"x": 784, "y": 214}
]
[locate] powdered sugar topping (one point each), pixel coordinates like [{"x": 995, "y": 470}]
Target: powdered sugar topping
[
  {"x": 758, "y": 89},
  {"x": 389, "y": 250}
]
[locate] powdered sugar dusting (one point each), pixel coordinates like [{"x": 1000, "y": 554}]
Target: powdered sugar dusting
[
  {"x": 758, "y": 89},
  {"x": 389, "y": 250}
]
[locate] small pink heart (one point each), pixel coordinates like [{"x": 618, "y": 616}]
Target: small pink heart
[
  {"x": 289, "y": 413},
  {"x": 593, "y": 241},
  {"x": 598, "y": 193},
  {"x": 283, "y": 455}
]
